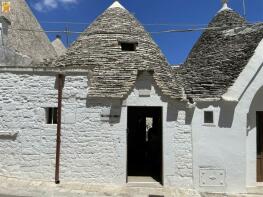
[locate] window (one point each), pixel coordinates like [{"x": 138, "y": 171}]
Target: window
[
  {"x": 51, "y": 115},
  {"x": 126, "y": 46},
  {"x": 208, "y": 117}
]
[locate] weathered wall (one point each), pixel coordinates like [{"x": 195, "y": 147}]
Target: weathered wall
[
  {"x": 230, "y": 143},
  {"x": 23, "y": 99},
  {"x": 92, "y": 150},
  {"x": 219, "y": 148},
  {"x": 9, "y": 57},
  {"x": 177, "y": 135},
  {"x": 228, "y": 146}
]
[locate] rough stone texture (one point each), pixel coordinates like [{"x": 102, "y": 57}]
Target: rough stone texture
[
  {"x": 4, "y": 24},
  {"x": 219, "y": 56},
  {"x": 31, "y": 153},
  {"x": 92, "y": 150},
  {"x": 59, "y": 47},
  {"x": 227, "y": 19},
  {"x": 184, "y": 149},
  {"x": 114, "y": 71},
  {"x": 177, "y": 143},
  {"x": 9, "y": 57},
  {"x": 34, "y": 44}
]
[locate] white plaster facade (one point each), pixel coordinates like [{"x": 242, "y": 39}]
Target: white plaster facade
[
  {"x": 218, "y": 157},
  {"x": 229, "y": 145},
  {"x": 93, "y": 150},
  {"x": 209, "y": 157}
]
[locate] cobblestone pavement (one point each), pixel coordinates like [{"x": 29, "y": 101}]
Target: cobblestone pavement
[{"x": 12, "y": 187}]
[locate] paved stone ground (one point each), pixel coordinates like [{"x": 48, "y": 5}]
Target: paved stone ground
[{"x": 12, "y": 187}]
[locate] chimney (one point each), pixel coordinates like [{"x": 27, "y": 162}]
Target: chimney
[{"x": 4, "y": 24}]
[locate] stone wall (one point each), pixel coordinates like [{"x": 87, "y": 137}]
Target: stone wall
[
  {"x": 93, "y": 150},
  {"x": 23, "y": 99}
]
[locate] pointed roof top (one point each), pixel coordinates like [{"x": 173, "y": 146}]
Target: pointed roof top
[
  {"x": 219, "y": 55},
  {"x": 227, "y": 18},
  {"x": 59, "y": 46},
  {"x": 225, "y": 6},
  {"x": 116, "y": 4},
  {"x": 33, "y": 43},
  {"x": 114, "y": 71}
]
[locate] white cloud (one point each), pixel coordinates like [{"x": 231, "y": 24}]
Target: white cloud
[{"x": 46, "y": 5}]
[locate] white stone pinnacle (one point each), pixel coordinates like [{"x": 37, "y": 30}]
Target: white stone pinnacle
[
  {"x": 225, "y": 6},
  {"x": 116, "y": 4}
]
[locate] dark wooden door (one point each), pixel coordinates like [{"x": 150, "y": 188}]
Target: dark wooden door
[{"x": 259, "y": 146}]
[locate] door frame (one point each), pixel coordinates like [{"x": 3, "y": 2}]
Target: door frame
[
  {"x": 259, "y": 114},
  {"x": 162, "y": 146}
]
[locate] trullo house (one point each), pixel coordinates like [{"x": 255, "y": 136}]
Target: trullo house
[{"x": 111, "y": 109}]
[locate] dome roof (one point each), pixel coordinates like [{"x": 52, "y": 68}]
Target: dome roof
[
  {"x": 34, "y": 44},
  {"x": 227, "y": 18},
  {"x": 115, "y": 71},
  {"x": 219, "y": 56}
]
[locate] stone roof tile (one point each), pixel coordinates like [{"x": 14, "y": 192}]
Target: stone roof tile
[
  {"x": 114, "y": 71},
  {"x": 35, "y": 43},
  {"x": 219, "y": 56}
]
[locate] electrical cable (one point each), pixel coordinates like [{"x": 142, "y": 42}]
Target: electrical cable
[{"x": 156, "y": 32}]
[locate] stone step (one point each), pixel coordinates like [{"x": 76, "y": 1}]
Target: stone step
[
  {"x": 255, "y": 190},
  {"x": 230, "y": 195},
  {"x": 145, "y": 185}
]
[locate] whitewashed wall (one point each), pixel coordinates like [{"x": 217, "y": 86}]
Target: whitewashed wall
[
  {"x": 177, "y": 135},
  {"x": 229, "y": 144},
  {"x": 219, "y": 148},
  {"x": 92, "y": 150},
  {"x": 23, "y": 99},
  {"x": 228, "y": 147}
]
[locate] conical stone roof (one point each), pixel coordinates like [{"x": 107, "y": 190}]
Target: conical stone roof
[
  {"x": 227, "y": 18},
  {"x": 59, "y": 46},
  {"x": 34, "y": 44},
  {"x": 114, "y": 71},
  {"x": 219, "y": 56}
]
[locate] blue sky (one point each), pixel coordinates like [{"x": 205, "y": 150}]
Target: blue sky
[{"x": 177, "y": 14}]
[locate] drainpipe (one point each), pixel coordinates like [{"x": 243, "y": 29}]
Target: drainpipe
[{"x": 60, "y": 88}]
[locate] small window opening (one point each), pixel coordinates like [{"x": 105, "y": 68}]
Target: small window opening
[
  {"x": 51, "y": 115},
  {"x": 125, "y": 46},
  {"x": 208, "y": 117}
]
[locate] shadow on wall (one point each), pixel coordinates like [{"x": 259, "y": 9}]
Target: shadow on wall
[
  {"x": 8, "y": 137},
  {"x": 226, "y": 113},
  {"x": 256, "y": 105},
  {"x": 109, "y": 109},
  {"x": 226, "y": 116},
  {"x": 175, "y": 107}
]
